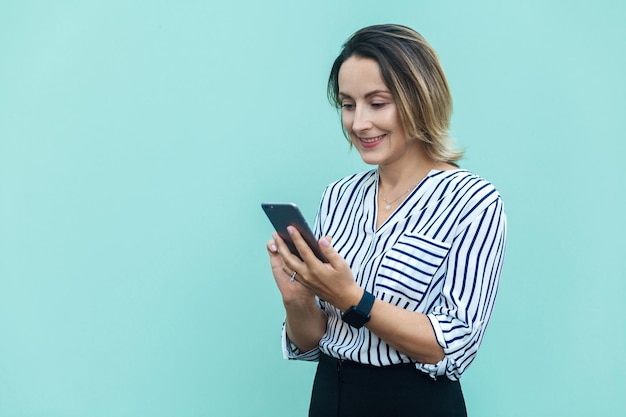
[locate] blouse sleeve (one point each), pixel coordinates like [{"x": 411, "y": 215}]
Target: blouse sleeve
[
  {"x": 462, "y": 312},
  {"x": 290, "y": 351}
]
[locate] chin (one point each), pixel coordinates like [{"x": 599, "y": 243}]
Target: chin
[{"x": 370, "y": 161}]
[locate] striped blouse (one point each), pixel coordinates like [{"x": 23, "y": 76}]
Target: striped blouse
[{"x": 440, "y": 253}]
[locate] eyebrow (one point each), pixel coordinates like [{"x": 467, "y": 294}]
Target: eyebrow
[{"x": 368, "y": 95}]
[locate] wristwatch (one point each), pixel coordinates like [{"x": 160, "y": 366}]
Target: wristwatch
[{"x": 357, "y": 316}]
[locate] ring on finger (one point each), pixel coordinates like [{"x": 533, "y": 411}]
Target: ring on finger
[{"x": 292, "y": 278}]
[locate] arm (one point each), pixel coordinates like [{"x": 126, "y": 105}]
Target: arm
[
  {"x": 462, "y": 313},
  {"x": 305, "y": 323},
  {"x": 408, "y": 332}
]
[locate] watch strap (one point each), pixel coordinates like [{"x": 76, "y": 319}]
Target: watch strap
[{"x": 366, "y": 303}]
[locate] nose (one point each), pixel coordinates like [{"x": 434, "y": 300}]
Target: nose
[{"x": 361, "y": 121}]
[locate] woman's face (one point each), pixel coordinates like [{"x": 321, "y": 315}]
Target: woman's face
[{"x": 370, "y": 116}]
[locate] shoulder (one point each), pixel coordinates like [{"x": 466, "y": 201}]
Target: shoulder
[
  {"x": 354, "y": 179},
  {"x": 346, "y": 191},
  {"x": 470, "y": 193},
  {"x": 350, "y": 184},
  {"x": 466, "y": 183}
]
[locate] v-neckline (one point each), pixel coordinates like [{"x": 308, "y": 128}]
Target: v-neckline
[{"x": 418, "y": 191}]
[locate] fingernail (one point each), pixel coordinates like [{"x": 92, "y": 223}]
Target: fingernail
[
  {"x": 290, "y": 230},
  {"x": 273, "y": 247},
  {"x": 325, "y": 243}
]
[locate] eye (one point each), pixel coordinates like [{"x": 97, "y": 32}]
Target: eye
[
  {"x": 378, "y": 105},
  {"x": 347, "y": 106}
]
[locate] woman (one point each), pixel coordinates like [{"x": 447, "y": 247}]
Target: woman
[{"x": 414, "y": 247}]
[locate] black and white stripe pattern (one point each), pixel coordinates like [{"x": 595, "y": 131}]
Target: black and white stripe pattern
[{"x": 440, "y": 253}]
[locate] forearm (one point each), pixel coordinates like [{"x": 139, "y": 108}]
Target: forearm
[
  {"x": 409, "y": 332},
  {"x": 305, "y": 323}
]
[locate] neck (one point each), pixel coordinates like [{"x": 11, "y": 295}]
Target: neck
[{"x": 394, "y": 177}]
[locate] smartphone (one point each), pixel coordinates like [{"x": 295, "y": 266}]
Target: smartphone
[{"x": 288, "y": 214}]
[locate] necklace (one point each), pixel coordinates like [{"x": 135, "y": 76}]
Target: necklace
[{"x": 389, "y": 203}]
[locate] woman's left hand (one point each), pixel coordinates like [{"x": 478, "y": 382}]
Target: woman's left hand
[{"x": 332, "y": 281}]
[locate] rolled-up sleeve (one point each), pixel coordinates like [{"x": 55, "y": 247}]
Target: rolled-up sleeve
[
  {"x": 292, "y": 353},
  {"x": 473, "y": 267}
]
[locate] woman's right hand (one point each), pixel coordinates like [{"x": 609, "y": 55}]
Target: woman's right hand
[
  {"x": 305, "y": 323},
  {"x": 291, "y": 291}
]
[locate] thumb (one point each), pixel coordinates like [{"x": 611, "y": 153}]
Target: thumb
[{"x": 329, "y": 252}]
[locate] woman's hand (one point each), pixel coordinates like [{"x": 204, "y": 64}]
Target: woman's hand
[
  {"x": 305, "y": 323},
  {"x": 291, "y": 291},
  {"x": 332, "y": 281}
]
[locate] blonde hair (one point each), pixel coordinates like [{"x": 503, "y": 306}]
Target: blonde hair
[{"x": 411, "y": 70}]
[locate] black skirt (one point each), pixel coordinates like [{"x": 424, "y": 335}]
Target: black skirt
[{"x": 345, "y": 389}]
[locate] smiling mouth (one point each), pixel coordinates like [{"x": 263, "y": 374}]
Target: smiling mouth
[{"x": 371, "y": 140}]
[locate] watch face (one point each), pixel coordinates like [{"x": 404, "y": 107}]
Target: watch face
[{"x": 355, "y": 318}]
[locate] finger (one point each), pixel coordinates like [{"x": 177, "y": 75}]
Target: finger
[
  {"x": 276, "y": 261},
  {"x": 304, "y": 250},
  {"x": 329, "y": 251},
  {"x": 290, "y": 260},
  {"x": 272, "y": 248}
]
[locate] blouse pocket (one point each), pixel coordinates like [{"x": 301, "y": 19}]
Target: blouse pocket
[{"x": 407, "y": 269}]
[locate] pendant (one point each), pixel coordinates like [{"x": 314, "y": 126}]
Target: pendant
[{"x": 388, "y": 207}]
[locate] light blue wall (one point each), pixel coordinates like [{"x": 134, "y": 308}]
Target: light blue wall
[{"x": 138, "y": 139}]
